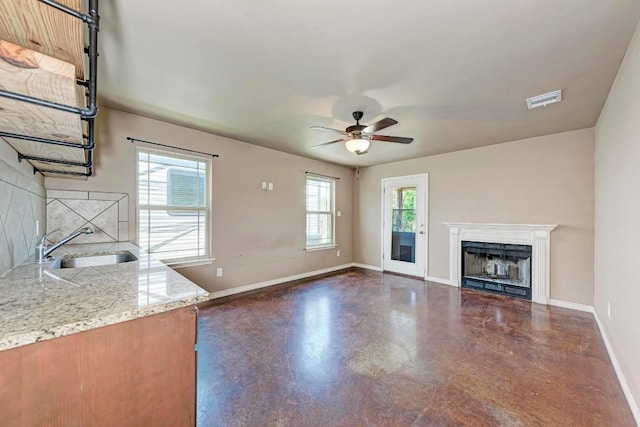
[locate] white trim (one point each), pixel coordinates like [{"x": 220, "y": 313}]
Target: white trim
[
  {"x": 427, "y": 232},
  {"x": 616, "y": 367},
  {"x": 188, "y": 262},
  {"x": 423, "y": 179},
  {"x": 267, "y": 283},
  {"x": 538, "y": 236},
  {"x": 193, "y": 263},
  {"x": 440, "y": 280},
  {"x": 367, "y": 266},
  {"x": 382, "y": 195},
  {"x": 415, "y": 175},
  {"x": 497, "y": 227},
  {"x": 332, "y": 181},
  {"x": 571, "y": 305},
  {"x": 319, "y": 248}
]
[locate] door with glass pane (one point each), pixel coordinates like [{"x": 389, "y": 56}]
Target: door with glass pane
[{"x": 405, "y": 225}]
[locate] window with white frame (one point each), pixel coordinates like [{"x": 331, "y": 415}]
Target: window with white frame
[
  {"x": 173, "y": 205},
  {"x": 320, "y": 212}
]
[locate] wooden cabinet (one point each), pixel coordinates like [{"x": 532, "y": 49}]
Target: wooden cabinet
[{"x": 136, "y": 373}]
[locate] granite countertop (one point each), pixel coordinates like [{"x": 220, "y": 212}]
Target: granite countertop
[{"x": 39, "y": 302}]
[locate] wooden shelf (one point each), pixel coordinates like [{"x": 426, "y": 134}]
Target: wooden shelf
[
  {"x": 31, "y": 73},
  {"x": 38, "y": 27},
  {"x": 42, "y": 56}
]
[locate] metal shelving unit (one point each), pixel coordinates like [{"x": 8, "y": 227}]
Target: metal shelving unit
[{"x": 86, "y": 114}]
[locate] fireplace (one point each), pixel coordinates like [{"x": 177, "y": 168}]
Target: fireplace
[
  {"x": 536, "y": 236},
  {"x": 497, "y": 267}
]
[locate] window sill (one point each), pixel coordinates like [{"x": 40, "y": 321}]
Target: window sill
[
  {"x": 319, "y": 248},
  {"x": 192, "y": 263}
]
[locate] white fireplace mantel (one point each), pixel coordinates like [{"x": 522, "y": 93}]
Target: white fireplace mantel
[{"x": 536, "y": 235}]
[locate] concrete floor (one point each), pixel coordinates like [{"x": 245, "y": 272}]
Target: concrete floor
[{"x": 363, "y": 348}]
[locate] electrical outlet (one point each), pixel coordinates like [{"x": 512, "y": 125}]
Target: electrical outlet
[
  {"x": 219, "y": 272},
  {"x": 271, "y": 186},
  {"x": 608, "y": 309},
  {"x": 264, "y": 185},
  {"x": 339, "y": 213},
  {"x": 338, "y": 253}
]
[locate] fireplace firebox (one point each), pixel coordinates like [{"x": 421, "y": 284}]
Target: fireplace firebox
[{"x": 497, "y": 267}]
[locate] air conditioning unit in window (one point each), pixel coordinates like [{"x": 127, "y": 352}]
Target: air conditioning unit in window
[{"x": 183, "y": 190}]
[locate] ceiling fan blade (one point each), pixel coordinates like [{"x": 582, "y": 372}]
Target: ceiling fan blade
[
  {"x": 328, "y": 129},
  {"x": 381, "y": 124},
  {"x": 327, "y": 143},
  {"x": 398, "y": 139}
]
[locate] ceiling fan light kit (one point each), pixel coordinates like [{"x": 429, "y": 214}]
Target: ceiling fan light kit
[
  {"x": 358, "y": 146},
  {"x": 358, "y": 137}
]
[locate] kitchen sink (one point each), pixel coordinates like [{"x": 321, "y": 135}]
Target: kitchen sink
[{"x": 94, "y": 260}]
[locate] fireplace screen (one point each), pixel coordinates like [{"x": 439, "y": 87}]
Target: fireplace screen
[{"x": 497, "y": 267}]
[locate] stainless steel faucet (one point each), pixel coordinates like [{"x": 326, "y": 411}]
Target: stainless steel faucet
[{"x": 43, "y": 250}]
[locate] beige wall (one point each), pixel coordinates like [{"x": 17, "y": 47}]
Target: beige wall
[
  {"x": 22, "y": 203},
  {"x": 617, "y": 217},
  {"x": 257, "y": 236},
  {"x": 545, "y": 180}
]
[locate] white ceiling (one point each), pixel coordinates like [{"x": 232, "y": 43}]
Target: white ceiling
[{"x": 455, "y": 74}]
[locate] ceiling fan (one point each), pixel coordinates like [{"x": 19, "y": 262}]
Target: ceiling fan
[{"x": 358, "y": 137}]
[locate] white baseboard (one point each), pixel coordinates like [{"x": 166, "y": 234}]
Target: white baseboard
[
  {"x": 441, "y": 281},
  {"x": 540, "y": 300},
  {"x": 367, "y": 266},
  {"x": 267, "y": 283},
  {"x": 616, "y": 366},
  {"x": 614, "y": 360},
  {"x": 571, "y": 305}
]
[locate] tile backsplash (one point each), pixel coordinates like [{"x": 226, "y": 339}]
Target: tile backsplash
[
  {"x": 107, "y": 213},
  {"x": 22, "y": 203}
]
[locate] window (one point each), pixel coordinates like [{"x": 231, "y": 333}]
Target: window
[
  {"x": 173, "y": 205},
  {"x": 320, "y": 212},
  {"x": 404, "y": 209}
]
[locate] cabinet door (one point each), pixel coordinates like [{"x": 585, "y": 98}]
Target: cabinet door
[{"x": 139, "y": 372}]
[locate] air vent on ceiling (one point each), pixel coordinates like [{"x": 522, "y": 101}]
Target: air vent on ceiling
[{"x": 545, "y": 99}]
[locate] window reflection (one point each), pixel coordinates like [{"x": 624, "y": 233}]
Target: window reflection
[
  {"x": 157, "y": 284},
  {"x": 404, "y": 331},
  {"x": 316, "y": 338},
  {"x": 152, "y": 287}
]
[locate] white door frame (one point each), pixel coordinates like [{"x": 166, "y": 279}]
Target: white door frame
[{"x": 424, "y": 176}]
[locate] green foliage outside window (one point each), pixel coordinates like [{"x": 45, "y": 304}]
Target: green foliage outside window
[{"x": 404, "y": 209}]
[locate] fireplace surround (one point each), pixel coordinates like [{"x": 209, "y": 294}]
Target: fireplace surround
[{"x": 538, "y": 236}]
